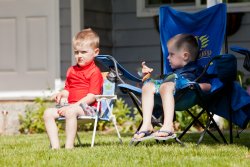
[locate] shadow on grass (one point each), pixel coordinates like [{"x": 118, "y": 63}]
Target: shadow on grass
[
  {"x": 99, "y": 144},
  {"x": 242, "y": 139},
  {"x": 189, "y": 138}
]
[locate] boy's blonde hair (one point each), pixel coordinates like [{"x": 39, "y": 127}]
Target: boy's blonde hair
[
  {"x": 86, "y": 36},
  {"x": 189, "y": 43}
]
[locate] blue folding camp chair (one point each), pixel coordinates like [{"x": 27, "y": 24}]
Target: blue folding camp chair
[
  {"x": 245, "y": 99},
  {"x": 209, "y": 27}
]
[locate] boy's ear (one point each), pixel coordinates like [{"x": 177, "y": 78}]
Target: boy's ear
[
  {"x": 97, "y": 50},
  {"x": 186, "y": 56}
]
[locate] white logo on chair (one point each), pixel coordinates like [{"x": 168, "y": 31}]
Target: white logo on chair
[{"x": 203, "y": 43}]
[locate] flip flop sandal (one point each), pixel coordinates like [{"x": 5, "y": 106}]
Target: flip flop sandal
[
  {"x": 147, "y": 135},
  {"x": 170, "y": 135}
]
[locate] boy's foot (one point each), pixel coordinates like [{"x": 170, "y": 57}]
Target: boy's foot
[
  {"x": 142, "y": 135},
  {"x": 164, "y": 135}
]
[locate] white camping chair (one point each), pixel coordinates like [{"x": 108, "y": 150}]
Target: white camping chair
[{"x": 103, "y": 113}]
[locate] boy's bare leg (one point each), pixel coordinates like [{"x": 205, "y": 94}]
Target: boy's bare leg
[
  {"x": 167, "y": 96},
  {"x": 148, "y": 91},
  {"x": 49, "y": 119},
  {"x": 71, "y": 125}
]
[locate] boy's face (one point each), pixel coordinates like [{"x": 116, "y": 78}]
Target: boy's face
[
  {"x": 85, "y": 54},
  {"x": 177, "y": 58}
]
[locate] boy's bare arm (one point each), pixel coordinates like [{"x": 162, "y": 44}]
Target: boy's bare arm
[{"x": 89, "y": 99}]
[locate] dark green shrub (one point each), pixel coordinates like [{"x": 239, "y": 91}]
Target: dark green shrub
[
  {"x": 32, "y": 121},
  {"x": 125, "y": 121}
]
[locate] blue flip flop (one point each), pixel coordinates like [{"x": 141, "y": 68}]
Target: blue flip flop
[
  {"x": 169, "y": 135},
  {"x": 147, "y": 135}
]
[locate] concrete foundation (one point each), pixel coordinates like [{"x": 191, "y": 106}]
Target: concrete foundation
[{"x": 9, "y": 116}]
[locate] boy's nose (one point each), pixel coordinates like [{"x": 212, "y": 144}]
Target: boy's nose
[{"x": 79, "y": 56}]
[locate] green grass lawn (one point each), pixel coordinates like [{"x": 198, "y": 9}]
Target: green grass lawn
[{"x": 33, "y": 150}]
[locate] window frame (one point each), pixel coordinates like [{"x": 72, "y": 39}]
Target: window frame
[{"x": 143, "y": 11}]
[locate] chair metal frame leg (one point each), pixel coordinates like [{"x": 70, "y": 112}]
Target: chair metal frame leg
[
  {"x": 230, "y": 130},
  {"x": 94, "y": 131},
  {"x": 206, "y": 129},
  {"x": 216, "y": 127},
  {"x": 113, "y": 118},
  {"x": 95, "y": 124},
  {"x": 230, "y": 126},
  {"x": 196, "y": 119},
  {"x": 79, "y": 140},
  {"x": 136, "y": 101},
  {"x": 116, "y": 128}
]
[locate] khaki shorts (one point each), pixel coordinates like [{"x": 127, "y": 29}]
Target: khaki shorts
[{"x": 88, "y": 110}]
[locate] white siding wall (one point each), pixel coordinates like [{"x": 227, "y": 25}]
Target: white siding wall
[
  {"x": 134, "y": 39},
  {"x": 98, "y": 16}
]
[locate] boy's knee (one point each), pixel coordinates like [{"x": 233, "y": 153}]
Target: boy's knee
[
  {"x": 148, "y": 87},
  {"x": 47, "y": 114},
  {"x": 70, "y": 114},
  {"x": 167, "y": 87}
]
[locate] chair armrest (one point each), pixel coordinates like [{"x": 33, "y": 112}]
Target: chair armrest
[
  {"x": 105, "y": 97},
  {"x": 206, "y": 67},
  {"x": 110, "y": 62},
  {"x": 131, "y": 88},
  {"x": 240, "y": 50}
]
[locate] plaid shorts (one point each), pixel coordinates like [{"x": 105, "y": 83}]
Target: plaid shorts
[
  {"x": 180, "y": 82},
  {"x": 88, "y": 110},
  {"x": 157, "y": 84}
]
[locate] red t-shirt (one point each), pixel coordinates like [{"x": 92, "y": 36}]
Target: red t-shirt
[{"x": 83, "y": 80}]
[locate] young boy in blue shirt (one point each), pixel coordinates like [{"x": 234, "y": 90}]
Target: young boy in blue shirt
[{"x": 183, "y": 51}]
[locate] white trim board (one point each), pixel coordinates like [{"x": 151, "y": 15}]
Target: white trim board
[
  {"x": 25, "y": 95},
  {"x": 31, "y": 94}
]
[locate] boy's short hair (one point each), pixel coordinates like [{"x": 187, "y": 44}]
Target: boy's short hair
[
  {"x": 86, "y": 36},
  {"x": 189, "y": 43}
]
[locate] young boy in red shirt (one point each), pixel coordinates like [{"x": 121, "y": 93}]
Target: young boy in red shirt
[{"x": 83, "y": 81}]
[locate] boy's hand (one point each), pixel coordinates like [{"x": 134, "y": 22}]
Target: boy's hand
[
  {"x": 59, "y": 97},
  {"x": 61, "y": 111},
  {"x": 146, "y": 71}
]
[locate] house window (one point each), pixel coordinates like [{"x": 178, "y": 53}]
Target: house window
[
  {"x": 146, "y": 8},
  {"x": 156, "y": 3}
]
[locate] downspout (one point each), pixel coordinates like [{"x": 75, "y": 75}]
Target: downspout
[{"x": 212, "y": 3}]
